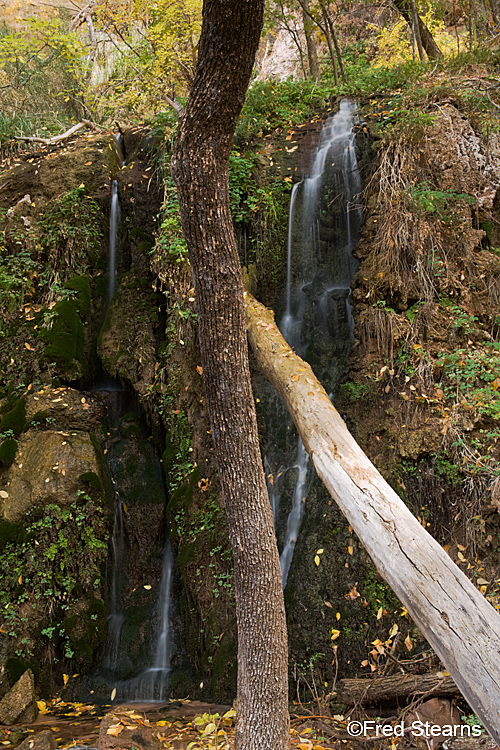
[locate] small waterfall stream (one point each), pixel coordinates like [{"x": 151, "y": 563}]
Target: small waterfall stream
[
  {"x": 134, "y": 671},
  {"x": 114, "y": 220},
  {"x": 323, "y": 226}
]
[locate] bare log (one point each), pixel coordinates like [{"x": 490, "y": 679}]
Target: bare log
[
  {"x": 62, "y": 137},
  {"x": 393, "y": 688},
  {"x": 462, "y": 627}
]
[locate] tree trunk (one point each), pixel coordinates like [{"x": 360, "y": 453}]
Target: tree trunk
[
  {"x": 310, "y": 41},
  {"x": 459, "y": 623},
  {"x": 334, "y": 38},
  {"x": 428, "y": 43},
  {"x": 200, "y": 165},
  {"x": 416, "y": 30}
]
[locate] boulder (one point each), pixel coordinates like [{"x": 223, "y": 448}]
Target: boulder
[
  {"x": 19, "y": 701},
  {"x": 64, "y": 409},
  {"x": 47, "y": 469},
  {"x": 41, "y": 741}
]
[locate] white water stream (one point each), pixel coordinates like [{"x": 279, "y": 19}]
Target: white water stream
[{"x": 322, "y": 232}]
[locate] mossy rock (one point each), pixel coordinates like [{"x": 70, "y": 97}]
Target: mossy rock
[
  {"x": 9, "y": 532},
  {"x": 65, "y": 340},
  {"x": 223, "y": 682},
  {"x": 91, "y": 478},
  {"x": 80, "y": 285},
  {"x": 15, "y": 419},
  {"x": 8, "y": 450}
]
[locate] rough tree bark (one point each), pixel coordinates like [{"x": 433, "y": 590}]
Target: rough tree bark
[
  {"x": 200, "y": 165},
  {"x": 462, "y": 627},
  {"x": 428, "y": 43}
]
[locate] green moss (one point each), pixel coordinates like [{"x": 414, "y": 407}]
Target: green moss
[
  {"x": 40, "y": 418},
  {"x": 81, "y": 285},
  {"x": 65, "y": 339},
  {"x": 8, "y": 450},
  {"x": 223, "y": 681},
  {"x": 15, "y": 419},
  {"x": 92, "y": 479},
  {"x": 16, "y": 667},
  {"x": 9, "y": 532},
  {"x": 186, "y": 554}
]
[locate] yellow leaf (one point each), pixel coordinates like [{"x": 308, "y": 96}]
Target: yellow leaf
[
  {"x": 163, "y": 723},
  {"x": 65, "y": 678},
  {"x": 350, "y": 550},
  {"x": 380, "y": 613},
  {"x": 147, "y": 587},
  {"x": 42, "y": 706},
  {"x": 317, "y": 559},
  {"x": 334, "y": 634},
  {"x": 20, "y": 579},
  {"x": 199, "y": 369},
  {"x": 337, "y": 616},
  {"x": 113, "y": 694},
  {"x": 319, "y": 552},
  {"x": 28, "y": 346},
  {"x": 115, "y": 730},
  {"x": 125, "y": 509},
  {"x": 461, "y": 547},
  {"x": 393, "y": 631},
  {"x": 495, "y": 385}
]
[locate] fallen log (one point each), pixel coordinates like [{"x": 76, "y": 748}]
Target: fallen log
[
  {"x": 394, "y": 688},
  {"x": 62, "y": 137},
  {"x": 459, "y": 623}
]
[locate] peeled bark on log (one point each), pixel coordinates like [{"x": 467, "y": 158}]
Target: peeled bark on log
[
  {"x": 393, "y": 688},
  {"x": 462, "y": 627}
]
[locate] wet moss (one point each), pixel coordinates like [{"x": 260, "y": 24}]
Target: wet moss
[
  {"x": 8, "y": 450},
  {"x": 16, "y": 666},
  {"x": 91, "y": 479},
  {"x": 65, "y": 340},
  {"x": 80, "y": 285},
  {"x": 223, "y": 683},
  {"x": 15, "y": 419}
]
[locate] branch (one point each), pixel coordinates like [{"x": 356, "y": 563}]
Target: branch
[{"x": 64, "y": 136}]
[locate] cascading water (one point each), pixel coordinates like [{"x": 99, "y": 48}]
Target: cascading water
[
  {"x": 323, "y": 228},
  {"x": 124, "y": 667},
  {"x": 114, "y": 220}
]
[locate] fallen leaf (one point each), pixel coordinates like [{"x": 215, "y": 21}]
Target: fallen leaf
[
  {"x": 113, "y": 694},
  {"x": 317, "y": 559},
  {"x": 334, "y": 634},
  {"x": 115, "y": 730}
]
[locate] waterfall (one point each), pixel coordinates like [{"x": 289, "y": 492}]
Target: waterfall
[
  {"x": 114, "y": 220},
  {"x": 317, "y": 322},
  {"x": 295, "y": 516},
  {"x": 136, "y": 661}
]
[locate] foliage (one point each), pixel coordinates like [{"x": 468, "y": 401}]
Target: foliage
[
  {"x": 49, "y": 563},
  {"x": 42, "y": 72},
  {"x": 279, "y": 104},
  {"x": 72, "y": 232},
  {"x": 170, "y": 242},
  {"x": 425, "y": 199}
]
